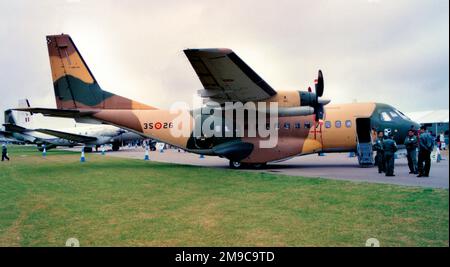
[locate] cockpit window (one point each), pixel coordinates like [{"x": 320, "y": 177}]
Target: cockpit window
[
  {"x": 401, "y": 114},
  {"x": 393, "y": 114},
  {"x": 385, "y": 116}
]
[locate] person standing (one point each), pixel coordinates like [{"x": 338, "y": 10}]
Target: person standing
[
  {"x": 4, "y": 152},
  {"x": 379, "y": 157},
  {"x": 442, "y": 140},
  {"x": 389, "y": 148},
  {"x": 426, "y": 145},
  {"x": 411, "y": 144}
]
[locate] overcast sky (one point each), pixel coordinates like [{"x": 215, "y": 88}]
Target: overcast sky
[{"x": 391, "y": 51}]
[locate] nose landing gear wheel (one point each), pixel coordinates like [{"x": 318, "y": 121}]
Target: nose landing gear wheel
[{"x": 235, "y": 164}]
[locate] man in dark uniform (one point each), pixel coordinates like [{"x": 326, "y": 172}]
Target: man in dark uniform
[
  {"x": 389, "y": 148},
  {"x": 379, "y": 157},
  {"x": 426, "y": 145},
  {"x": 411, "y": 145},
  {"x": 4, "y": 152}
]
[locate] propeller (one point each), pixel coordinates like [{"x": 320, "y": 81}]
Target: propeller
[
  {"x": 319, "y": 84},
  {"x": 319, "y": 103}
]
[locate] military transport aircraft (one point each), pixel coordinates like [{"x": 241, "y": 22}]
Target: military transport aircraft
[
  {"x": 305, "y": 123},
  {"x": 29, "y": 128}
]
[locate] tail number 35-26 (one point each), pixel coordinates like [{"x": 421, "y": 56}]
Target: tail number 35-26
[{"x": 157, "y": 125}]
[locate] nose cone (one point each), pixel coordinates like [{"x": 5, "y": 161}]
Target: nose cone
[
  {"x": 416, "y": 125},
  {"x": 387, "y": 117}
]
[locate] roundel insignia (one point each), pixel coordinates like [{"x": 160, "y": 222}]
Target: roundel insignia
[{"x": 158, "y": 125}]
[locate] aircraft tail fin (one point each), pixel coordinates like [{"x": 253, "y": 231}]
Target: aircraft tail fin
[
  {"x": 74, "y": 84},
  {"x": 24, "y": 103},
  {"x": 18, "y": 118},
  {"x": 9, "y": 118}
]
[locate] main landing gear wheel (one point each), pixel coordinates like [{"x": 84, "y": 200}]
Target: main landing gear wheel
[
  {"x": 240, "y": 165},
  {"x": 235, "y": 164},
  {"x": 116, "y": 146}
]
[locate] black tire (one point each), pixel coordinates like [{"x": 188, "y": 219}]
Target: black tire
[
  {"x": 235, "y": 164},
  {"x": 116, "y": 147}
]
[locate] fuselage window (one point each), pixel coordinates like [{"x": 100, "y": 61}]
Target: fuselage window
[
  {"x": 287, "y": 125},
  {"x": 298, "y": 125},
  {"x": 385, "y": 116},
  {"x": 338, "y": 124},
  {"x": 307, "y": 125},
  {"x": 328, "y": 124},
  {"x": 348, "y": 123}
]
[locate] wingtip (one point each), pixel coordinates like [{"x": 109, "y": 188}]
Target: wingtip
[
  {"x": 57, "y": 35},
  {"x": 208, "y": 50}
]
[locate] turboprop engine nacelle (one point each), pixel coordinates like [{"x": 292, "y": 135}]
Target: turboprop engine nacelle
[
  {"x": 308, "y": 98},
  {"x": 295, "y": 111}
]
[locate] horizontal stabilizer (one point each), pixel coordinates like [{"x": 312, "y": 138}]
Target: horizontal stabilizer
[
  {"x": 68, "y": 136},
  {"x": 65, "y": 113}
]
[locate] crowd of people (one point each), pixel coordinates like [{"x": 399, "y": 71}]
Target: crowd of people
[{"x": 419, "y": 146}]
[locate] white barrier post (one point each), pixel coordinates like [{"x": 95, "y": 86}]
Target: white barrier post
[
  {"x": 82, "y": 159},
  {"x": 146, "y": 157}
]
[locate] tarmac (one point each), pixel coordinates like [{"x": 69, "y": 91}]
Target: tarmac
[{"x": 337, "y": 166}]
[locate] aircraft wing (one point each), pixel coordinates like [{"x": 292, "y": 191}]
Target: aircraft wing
[
  {"x": 8, "y": 139},
  {"x": 69, "y": 136},
  {"x": 5, "y": 135},
  {"x": 225, "y": 77}
]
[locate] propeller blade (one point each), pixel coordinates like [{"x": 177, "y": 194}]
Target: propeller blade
[
  {"x": 319, "y": 84},
  {"x": 324, "y": 101}
]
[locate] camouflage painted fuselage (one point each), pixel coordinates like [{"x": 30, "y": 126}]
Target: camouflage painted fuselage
[
  {"x": 298, "y": 135},
  {"x": 76, "y": 89}
]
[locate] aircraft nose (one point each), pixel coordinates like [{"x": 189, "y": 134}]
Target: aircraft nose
[{"x": 413, "y": 124}]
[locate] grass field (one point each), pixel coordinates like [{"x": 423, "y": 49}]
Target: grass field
[{"x": 108, "y": 201}]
